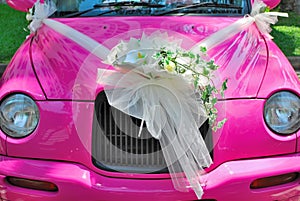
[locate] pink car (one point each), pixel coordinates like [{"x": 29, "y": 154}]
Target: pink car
[{"x": 61, "y": 140}]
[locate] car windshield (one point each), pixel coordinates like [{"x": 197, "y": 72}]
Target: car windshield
[{"x": 87, "y": 8}]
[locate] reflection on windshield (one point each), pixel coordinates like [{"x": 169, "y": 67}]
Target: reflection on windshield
[
  {"x": 92, "y": 8},
  {"x": 75, "y": 5}
]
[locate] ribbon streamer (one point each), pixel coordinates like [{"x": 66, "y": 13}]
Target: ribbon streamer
[
  {"x": 258, "y": 16},
  {"x": 81, "y": 39},
  {"x": 40, "y": 16}
]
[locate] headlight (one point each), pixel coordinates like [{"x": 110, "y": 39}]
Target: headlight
[
  {"x": 19, "y": 116},
  {"x": 282, "y": 112}
]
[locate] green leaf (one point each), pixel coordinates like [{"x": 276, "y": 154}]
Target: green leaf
[
  {"x": 214, "y": 101},
  {"x": 267, "y": 9},
  {"x": 191, "y": 55},
  {"x": 220, "y": 124},
  {"x": 169, "y": 53},
  {"x": 203, "y": 49},
  {"x": 197, "y": 59},
  {"x": 157, "y": 55},
  {"x": 224, "y": 85},
  {"x": 204, "y": 96},
  {"x": 185, "y": 54},
  {"x": 222, "y": 93},
  {"x": 211, "y": 65},
  {"x": 223, "y": 88},
  {"x": 214, "y": 89},
  {"x": 214, "y": 128},
  {"x": 205, "y": 71},
  {"x": 196, "y": 82}
]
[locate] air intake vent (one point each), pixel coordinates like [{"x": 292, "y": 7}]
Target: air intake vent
[{"x": 116, "y": 145}]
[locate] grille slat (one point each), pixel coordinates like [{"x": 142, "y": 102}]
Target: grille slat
[{"x": 122, "y": 148}]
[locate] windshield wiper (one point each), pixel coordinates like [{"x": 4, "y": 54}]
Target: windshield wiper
[
  {"x": 80, "y": 13},
  {"x": 197, "y": 5},
  {"x": 128, "y": 3}
]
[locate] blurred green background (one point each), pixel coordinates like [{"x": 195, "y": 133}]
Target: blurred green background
[{"x": 12, "y": 33}]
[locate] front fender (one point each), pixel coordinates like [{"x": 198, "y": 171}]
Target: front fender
[{"x": 19, "y": 77}]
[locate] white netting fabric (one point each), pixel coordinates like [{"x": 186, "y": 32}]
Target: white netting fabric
[
  {"x": 165, "y": 101},
  {"x": 40, "y": 12},
  {"x": 173, "y": 115}
]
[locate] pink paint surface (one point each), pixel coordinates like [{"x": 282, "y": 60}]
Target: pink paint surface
[
  {"x": 21, "y": 5},
  {"x": 61, "y": 77},
  {"x": 76, "y": 182}
]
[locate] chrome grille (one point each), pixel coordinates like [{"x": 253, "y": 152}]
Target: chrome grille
[{"x": 116, "y": 145}]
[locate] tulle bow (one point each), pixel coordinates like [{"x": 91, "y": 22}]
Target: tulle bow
[
  {"x": 38, "y": 13},
  {"x": 172, "y": 115},
  {"x": 258, "y": 15},
  {"x": 263, "y": 19},
  {"x": 166, "y": 102}
]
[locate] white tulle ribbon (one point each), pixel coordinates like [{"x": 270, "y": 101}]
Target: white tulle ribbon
[
  {"x": 40, "y": 12},
  {"x": 263, "y": 19},
  {"x": 258, "y": 16},
  {"x": 81, "y": 39}
]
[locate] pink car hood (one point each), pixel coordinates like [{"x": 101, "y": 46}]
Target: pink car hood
[{"x": 67, "y": 71}]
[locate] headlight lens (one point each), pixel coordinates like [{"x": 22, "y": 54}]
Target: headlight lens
[
  {"x": 19, "y": 116},
  {"x": 282, "y": 112}
]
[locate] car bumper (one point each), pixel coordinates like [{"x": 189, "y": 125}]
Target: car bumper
[{"x": 228, "y": 182}]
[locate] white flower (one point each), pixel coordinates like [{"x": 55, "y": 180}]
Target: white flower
[
  {"x": 170, "y": 67},
  {"x": 29, "y": 17},
  {"x": 134, "y": 56},
  {"x": 140, "y": 51}
]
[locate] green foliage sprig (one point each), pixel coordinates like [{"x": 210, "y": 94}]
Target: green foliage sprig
[{"x": 200, "y": 72}]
